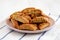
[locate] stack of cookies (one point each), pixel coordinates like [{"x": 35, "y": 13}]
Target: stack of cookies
[{"x": 29, "y": 19}]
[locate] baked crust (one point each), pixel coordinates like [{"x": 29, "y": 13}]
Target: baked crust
[
  {"x": 43, "y": 25},
  {"x": 28, "y": 19},
  {"x": 28, "y": 27}
]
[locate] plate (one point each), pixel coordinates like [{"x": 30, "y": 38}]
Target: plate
[{"x": 9, "y": 24}]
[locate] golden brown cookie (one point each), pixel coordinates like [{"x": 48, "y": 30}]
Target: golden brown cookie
[
  {"x": 15, "y": 23},
  {"x": 32, "y": 12},
  {"x": 37, "y": 13},
  {"x": 27, "y": 17},
  {"x": 21, "y": 19},
  {"x": 28, "y": 10},
  {"x": 43, "y": 25},
  {"x": 16, "y": 13},
  {"x": 40, "y": 19},
  {"x": 28, "y": 27}
]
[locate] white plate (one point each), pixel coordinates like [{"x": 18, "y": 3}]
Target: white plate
[{"x": 26, "y": 31}]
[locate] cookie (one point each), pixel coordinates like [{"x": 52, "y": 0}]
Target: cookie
[
  {"x": 40, "y": 19},
  {"x": 28, "y": 27},
  {"x": 43, "y": 25},
  {"x": 15, "y": 23}
]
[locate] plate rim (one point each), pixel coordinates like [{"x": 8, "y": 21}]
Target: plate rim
[{"x": 27, "y": 31}]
